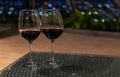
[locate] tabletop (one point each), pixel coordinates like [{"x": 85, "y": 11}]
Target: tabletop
[{"x": 72, "y": 66}]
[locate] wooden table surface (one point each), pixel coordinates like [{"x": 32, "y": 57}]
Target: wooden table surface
[{"x": 13, "y": 46}]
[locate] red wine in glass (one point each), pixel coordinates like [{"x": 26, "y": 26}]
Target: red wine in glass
[
  {"x": 52, "y": 34},
  {"x": 30, "y": 35}
]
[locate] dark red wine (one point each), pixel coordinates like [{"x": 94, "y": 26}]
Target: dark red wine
[
  {"x": 30, "y": 35},
  {"x": 52, "y": 33}
]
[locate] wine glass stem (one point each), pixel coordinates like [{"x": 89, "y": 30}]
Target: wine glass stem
[
  {"x": 30, "y": 56},
  {"x": 30, "y": 51},
  {"x": 30, "y": 46},
  {"x": 52, "y": 51}
]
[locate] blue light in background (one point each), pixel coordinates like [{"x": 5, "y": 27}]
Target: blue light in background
[
  {"x": 64, "y": 6},
  {"x": 9, "y": 13},
  {"x": 100, "y": 6},
  {"x": 59, "y": 3},
  {"x": 20, "y": 4},
  {"x": 110, "y": 4},
  {"x": 49, "y": 5},
  {"x": 1, "y": 12},
  {"x": 15, "y": 5},
  {"x": 11, "y": 8}
]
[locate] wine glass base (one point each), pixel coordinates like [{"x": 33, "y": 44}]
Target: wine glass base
[
  {"x": 30, "y": 65},
  {"x": 50, "y": 65}
]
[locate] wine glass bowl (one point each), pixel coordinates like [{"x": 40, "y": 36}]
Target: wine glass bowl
[
  {"x": 30, "y": 35},
  {"x": 29, "y": 26},
  {"x": 52, "y": 28},
  {"x": 52, "y": 34}
]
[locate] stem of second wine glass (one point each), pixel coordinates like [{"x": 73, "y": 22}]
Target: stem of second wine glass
[
  {"x": 30, "y": 47},
  {"x": 52, "y": 51}
]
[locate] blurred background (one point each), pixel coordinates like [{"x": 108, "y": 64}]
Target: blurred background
[{"x": 100, "y": 15}]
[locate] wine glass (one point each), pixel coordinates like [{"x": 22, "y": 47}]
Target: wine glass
[
  {"x": 52, "y": 28},
  {"x": 29, "y": 26}
]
